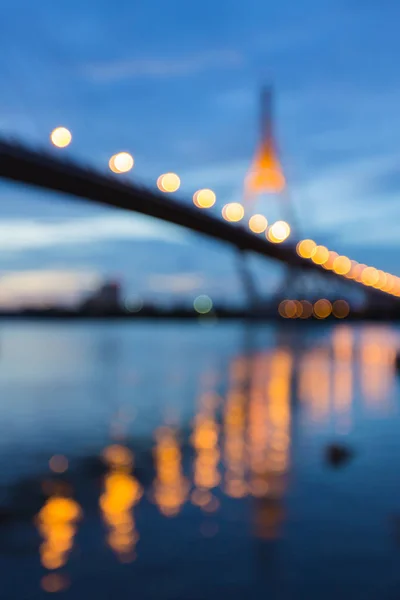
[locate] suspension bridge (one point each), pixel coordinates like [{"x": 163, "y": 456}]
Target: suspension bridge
[{"x": 47, "y": 170}]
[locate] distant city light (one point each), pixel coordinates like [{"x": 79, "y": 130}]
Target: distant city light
[
  {"x": 233, "y": 212},
  {"x": 307, "y": 309},
  {"x": 278, "y": 232},
  {"x": 340, "y": 309},
  {"x": 306, "y": 248},
  {"x": 204, "y": 198},
  {"x": 322, "y": 308},
  {"x": 258, "y": 223},
  {"x": 121, "y": 162},
  {"x": 134, "y": 305},
  {"x": 203, "y": 304},
  {"x": 287, "y": 309},
  {"x": 61, "y": 137},
  {"x": 168, "y": 182}
]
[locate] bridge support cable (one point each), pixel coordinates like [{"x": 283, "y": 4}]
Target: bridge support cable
[{"x": 247, "y": 278}]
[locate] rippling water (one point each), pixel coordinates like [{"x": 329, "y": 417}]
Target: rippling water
[{"x": 199, "y": 461}]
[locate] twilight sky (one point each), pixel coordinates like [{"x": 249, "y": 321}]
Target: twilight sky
[{"x": 176, "y": 83}]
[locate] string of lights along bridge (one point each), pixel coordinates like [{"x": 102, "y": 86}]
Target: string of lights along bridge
[{"x": 276, "y": 233}]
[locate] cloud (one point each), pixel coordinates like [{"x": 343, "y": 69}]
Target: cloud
[
  {"x": 20, "y": 235},
  {"x": 175, "y": 283},
  {"x": 19, "y": 288},
  {"x": 156, "y": 68}
]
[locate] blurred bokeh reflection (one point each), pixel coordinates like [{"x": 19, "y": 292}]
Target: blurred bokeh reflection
[{"x": 227, "y": 445}]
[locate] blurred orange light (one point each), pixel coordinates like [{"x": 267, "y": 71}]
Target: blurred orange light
[
  {"x": 328, "y": 265},
  {"x": 288, "y": 309},
  {"x": 233, "y": 211},
  {"x": 258, "y": 223},
  {"x": 340, "y": 309},
  {"x": 355, "y": 268},
  {"x": 390, "y": 282},
  {"x": 61, "y": 137},
  {"x": 369, "y": 276},
  {"x": 307, "y": 309},
  {"x": 278, "y": 232},
  {"x": 306, "y": 248},
  {"x": 204, "y": 198},
  {"x": 168, "y": 182},
  {"x": 382, "y": 278},
  {"x": 322, "y": 308},
  {"x": 320, "y": 255},
  {"x": 54, "y": 582},
  {"x": 118, "y": 457},
  {"x": 359, "y": 269},
  {"x": 341, "y": 265},
  {"x": 299, "y": 308}
]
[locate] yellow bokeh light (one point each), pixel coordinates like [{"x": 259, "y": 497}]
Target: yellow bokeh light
[
  {"x": 168, "y": 182},
  {"x": 204, "y": 198},
  {"x": 340, "y": 309},
  {"x": 328, "y": 265},
  {"x": 321, "y": 255},
  {"x": 233, "y": 212},
  {"x": 258, "y": 223},
  {"x": 358, "y": 271},
  {"x": 61, "y": 137},
  {"x": 112, "y": 165},
  {"x": 123, "y": 162},
  {"x": 370, "y": 276},
  {"x": 322, "y": 308},
  {"x": 278, "y": 232},
  {"x": 352, "y": 274},
  {"x": 341, "y": 265},
  {"x": 390, "y": 282},
  {"x": 306, "y": 248},
  {"x": 382, "y": 279}
]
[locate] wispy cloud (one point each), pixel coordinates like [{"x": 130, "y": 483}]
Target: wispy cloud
[
  {"x": 24, "y": 287},
  {"x": 175, "y": 283},
  {"x": 22, "y": 235},
  {"x": 156, "y": 68}
]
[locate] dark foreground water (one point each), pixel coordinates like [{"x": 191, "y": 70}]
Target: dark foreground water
[{"x": 195, "y": 461}]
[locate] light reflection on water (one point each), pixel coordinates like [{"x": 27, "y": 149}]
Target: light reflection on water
[{"x": 214, "y": 429}]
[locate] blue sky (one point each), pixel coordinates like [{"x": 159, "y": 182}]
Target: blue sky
[{"x": 176, "y": 83}]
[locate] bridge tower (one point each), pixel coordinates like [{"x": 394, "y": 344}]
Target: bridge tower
[{"x": 266, "y": 177}]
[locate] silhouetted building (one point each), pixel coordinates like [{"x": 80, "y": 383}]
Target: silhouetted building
[{"x": 106, "y": 298}]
